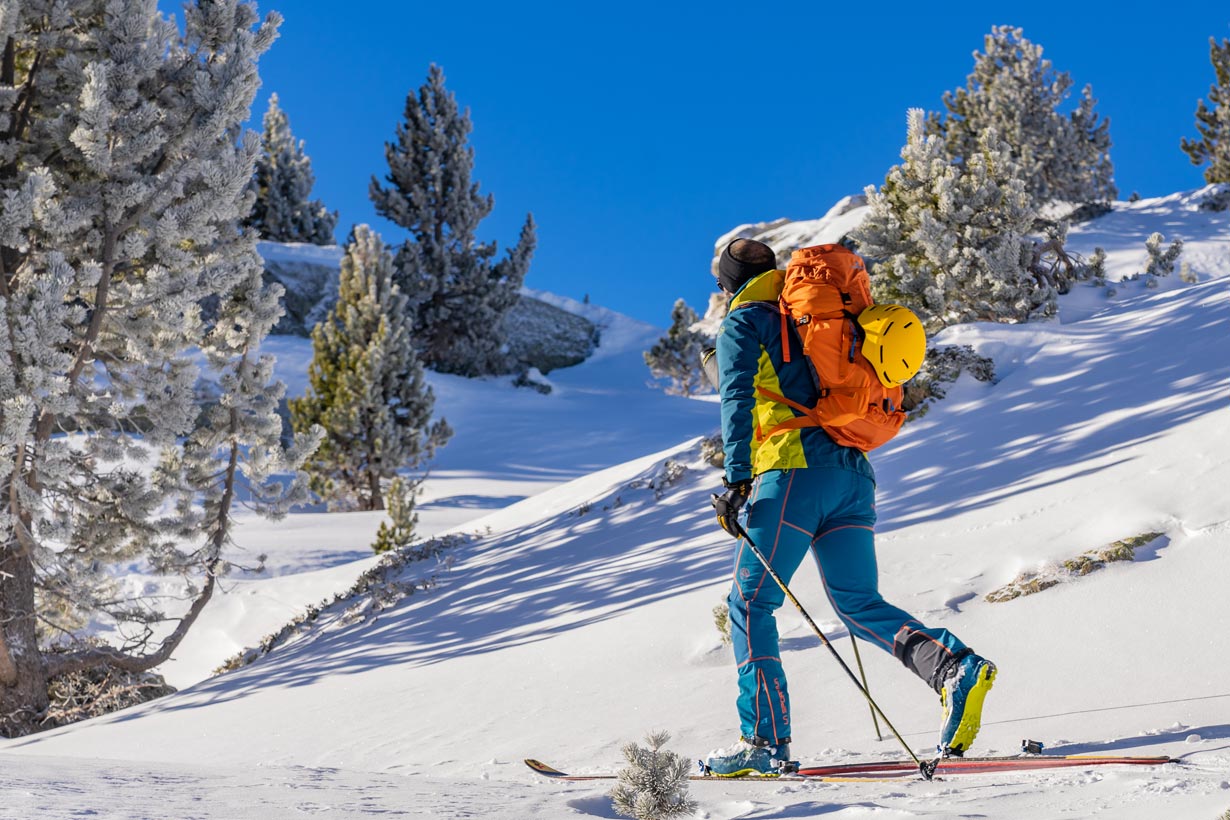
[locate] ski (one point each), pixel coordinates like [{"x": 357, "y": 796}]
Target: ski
[
  {"x": 900, "y": 769},
  {"x": 975, "y": 765},
  {"x": 555, "y": 774}
]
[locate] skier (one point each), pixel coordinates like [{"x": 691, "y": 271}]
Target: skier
[{"x": 806, "y": 493}]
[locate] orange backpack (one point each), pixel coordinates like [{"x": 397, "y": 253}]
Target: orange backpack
[{"x": 826, "y": 287}]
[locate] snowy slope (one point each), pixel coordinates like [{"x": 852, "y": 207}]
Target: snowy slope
[{"x": 581, "y": 618}]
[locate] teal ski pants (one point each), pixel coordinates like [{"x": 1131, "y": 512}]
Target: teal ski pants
[{"x": 831, "y": 513}]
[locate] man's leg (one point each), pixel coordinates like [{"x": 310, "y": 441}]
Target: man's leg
[
  {"x": 844, "y": 548},
  {"x": 780, "y": 522}
]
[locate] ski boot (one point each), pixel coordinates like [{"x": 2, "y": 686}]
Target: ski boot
[
  {"x": 750, "y": 758},
  {"x": 964, "y": 689}
]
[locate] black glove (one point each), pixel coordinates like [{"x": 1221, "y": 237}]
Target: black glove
[{"x": 728, "y": 504}]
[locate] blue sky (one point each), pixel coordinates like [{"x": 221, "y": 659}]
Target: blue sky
[{"x": 637, "y": 133}]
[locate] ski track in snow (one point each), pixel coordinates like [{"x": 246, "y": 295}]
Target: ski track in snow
[{"x": 579, "y": 619}]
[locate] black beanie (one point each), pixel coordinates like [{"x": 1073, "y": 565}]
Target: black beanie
[{"x": 738, "y": 265}]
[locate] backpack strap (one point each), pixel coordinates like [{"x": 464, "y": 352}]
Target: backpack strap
[
  {"x": 785, "y": 313},
  {"x": 808, "y": 418}
]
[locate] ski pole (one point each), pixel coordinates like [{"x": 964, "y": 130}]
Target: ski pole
[
  {"x": 863, "y": 674},
  {"x": 926, "y": 769}
]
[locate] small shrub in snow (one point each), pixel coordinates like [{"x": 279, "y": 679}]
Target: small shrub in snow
[
  {"x": 676, "y": 356},
  {"x": 721, "y": 619},
  {"x": 672, "y": 473},
  {"x": 1217, "y": 199},
  {"x": 532, "y": 379},
  {"x": 379, "y": 588},
  {"x": 1162, "y": 262},
  {"x": 398, "y": 532},
  {"x": 712, "y": 451},
  {"x": 1052, "y": 266},
  {"x": 1095, "y": 267},
  {"x": 941, "y": 368},
  {"x": 100, "y": 690},
  {"x": 654, "y": 784},
  {"x": 1187, "y": 276},
  {"x": 1030, "y": 582}
]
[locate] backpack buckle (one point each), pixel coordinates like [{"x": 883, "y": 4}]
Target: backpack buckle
[{"x": 806, "y": 320}]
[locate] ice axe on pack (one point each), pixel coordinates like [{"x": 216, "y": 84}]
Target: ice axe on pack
[{"x": 925, "y": 767}]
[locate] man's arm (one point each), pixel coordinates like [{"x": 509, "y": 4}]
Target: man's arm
[{"x": 738, "y": 356}]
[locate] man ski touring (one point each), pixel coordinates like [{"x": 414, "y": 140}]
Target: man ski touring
[{"x": 804, "y": 493}]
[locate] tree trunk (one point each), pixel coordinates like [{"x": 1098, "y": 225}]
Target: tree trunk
[
  {"x": 373, "y": 486},
  {"x": 23, "y": 679}
]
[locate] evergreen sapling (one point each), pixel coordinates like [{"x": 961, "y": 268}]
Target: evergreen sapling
[
  {"x": 676, "y": 357},
  {"x": 366, "y": 385},
  {"x": 654, "y": 784},
  {"x": 398, "y": 532},
  {"x": 1161, "y": 262}
]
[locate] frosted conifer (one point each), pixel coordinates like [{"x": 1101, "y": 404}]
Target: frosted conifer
[
  {"x": 1213, "y": 120},
  {"x": 677, "y": 355},
  {"x": 283, "y": 182},
  {"x": 1161, "y": 262},
  {"x": 654, "y": 784},
  {"x": 1016, "y": 92},
  {"x": 123, "y": 191},
  {"x": 458, "y": 293},
  {"x": 949, "y": 239},
  {"x": 366, "y": 385},
  {"x": 398, "y": 532}
]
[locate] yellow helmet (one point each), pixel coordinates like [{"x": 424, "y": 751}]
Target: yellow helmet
[{"x": 893, "y": 341}]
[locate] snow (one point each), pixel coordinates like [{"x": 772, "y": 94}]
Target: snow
[
  {"x": 579, "y": 618},
  {"x": 326, "y": 255}
]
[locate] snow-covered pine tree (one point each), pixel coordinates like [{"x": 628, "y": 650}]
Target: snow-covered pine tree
[
  {"x": 458, "y": 294},
  {"x": 235, "y": 451},
  {"x": 1016, "y": 92},
  {"x": 948, "y": 240},
  {"x": 398, "y": 532},
  {"x": 123, "y": 191},
  {"x": 366, "y": 385},
  {"x": 654, "y": 784},
  {"x": 283, "y": 184},
  {"x": 1213, "y": 120},
  {"x": 676, "y": 356},
  {"x": 1161, "y": 262}
]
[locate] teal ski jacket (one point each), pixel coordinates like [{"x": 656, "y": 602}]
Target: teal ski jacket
[{"x": 749, "y": 355}]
